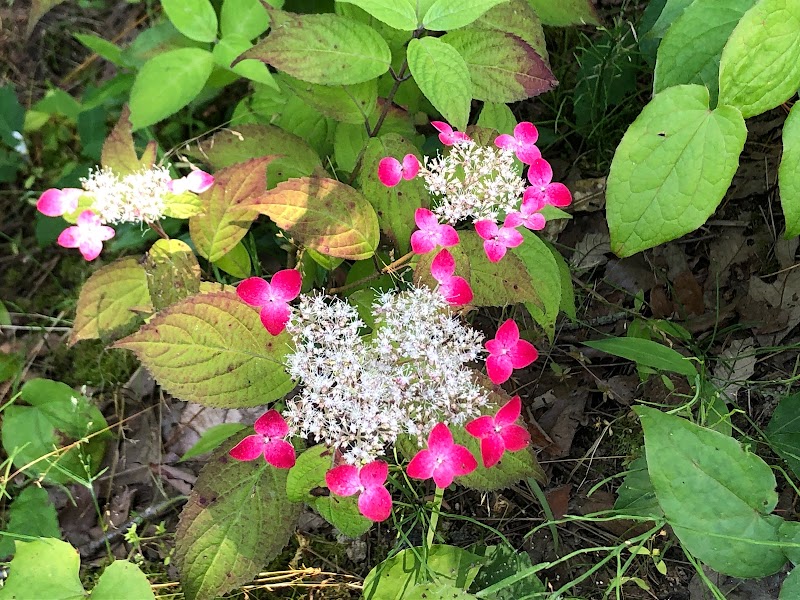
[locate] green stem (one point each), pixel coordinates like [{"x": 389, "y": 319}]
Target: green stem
[{"x": 437, "y": 507}]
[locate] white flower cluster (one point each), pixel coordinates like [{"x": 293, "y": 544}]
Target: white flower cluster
[
  {"x": 359, "y": 393},
  {"x": 473, "y": 181},
  {"x": 137, "y": 197}
]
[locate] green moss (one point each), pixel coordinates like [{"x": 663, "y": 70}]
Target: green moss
[{"x": 91, "y": 363}]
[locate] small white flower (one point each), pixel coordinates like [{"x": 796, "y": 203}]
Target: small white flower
[
  {"x": 137, "y": 197},
  {"x": 21, "y": 147}
]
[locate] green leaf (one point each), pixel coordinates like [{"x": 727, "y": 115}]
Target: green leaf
[
  {"x": 196, "y": 19},
  {"x": 347, "y": 103},
  {"x": 182, "y": 206},
  {"x": 567, "y": 304},
  {"x": 122, "y": 580},
  {"x": 31, "y": 514},
  {"x": 783, "y": 431},
  {"x": 229, "y": 48},
  {"x": 212, "y": 438},
  {"x": 443, "y": 76},
  {"x": 399, "y": 14},
  {"x": 425, "y": 591},
  {"x": 236, "y": 521},
  {"x": 45, "y": 568},
  {"x": 566, "y": 12},
  {"x": 760, "y": 65},
  {"x": 172, "y": 273},
  {"x": 502, "y": 67},
  {"x": 396, "y": 576},
  {"x": 545, "y": 278},
  {"x": 395, "y": 206},
  {"x": 168, "y": 82},
  {"x": 324, "y": 48},
  {"x": 517, "y": 18},
  {"x": 502, "y": 562},
  {"x": 636, "y": 496},
  {"x": 790, "y": 588},
  {"x": 106, "y": 298},
  {"x": 647, "y": 353},
  {"x": 12, "y": 115},
  {"x": 226, "y": 216},
  {"x": 323, "y": 214},
  {"x": 212, "y": 349},
  {"x": 236, "y": 262},
  {"x": 498, "y": 117},
  {"x": 10, "y": 365},
  {"x": 789, "y": 173},
  {"x": 102, "y": 47},
  {"x": 444, "y": 15},
  {"x": 244, "y": 18},
  {"x": 305, "y": 121},
  {"x": 348, "y": 140},
  {"x": 671, "y": 169},
  {"x": 56, "y": 417},
  {"x": 119, "y": 153},
  {"x": 716, "y": 496},
  {"x": 691, "y": 49},
  {"x": 161, "y": 37}
]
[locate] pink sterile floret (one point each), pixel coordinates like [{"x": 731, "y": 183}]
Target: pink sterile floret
[
  {"x": 87, "y": 236},
  {"x": 529, "y": 213},
  {"x": 273, "y": 298},
  {"x": 456, "y": 290},
  {"x": 442, "y": 459},
  {"x": 375, "y": 501},
  {"x": 500, "y": 432},
  {"x": 55, "y": 202},
  {"x": 391, "y": 170},
  {"x": 507, "y": 352},
  {"x": 431, "y": 233},
  {"x": 540, "y": 174},
  {"x": 522, "y": 143},
  {"x": 447, "y": 135},
  {"x": 197, "y": 181},
  {"x": 498, "y": 239},
  {"x": 268, "y": 442}
]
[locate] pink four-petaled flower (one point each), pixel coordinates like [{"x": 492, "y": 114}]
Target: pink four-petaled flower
[
  {"x": 529, "y": 213},
  {"x": 267, "y": 442},
  {"x": 375, "y": 501},
  {"x": 442, "y": 459},
  {"x": 447, "y": 135},
  {"x": 508, "y": 352},
  {"x": 541, "y": 190},
  {"x": 273, "y": 297},
  {"x": 55, "y": 202},
  {"x": 500, "y": 432},
  {"x": 498, "y": 239},
  {"x": 391, "y": 170},
  {"x": 197, "y": 181},
  {"x": 456, "y": 290},
  {"x": 87, "y": 235},
  {"x": 522, "y": 143},
  {"x": 431, "y": 233}
]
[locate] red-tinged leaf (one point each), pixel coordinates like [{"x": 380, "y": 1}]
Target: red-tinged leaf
[
  {"x": 212, "y": 349},
  {"x": 517, "y": 18},
  {"x": 106, "y": 299},
  {"x": 236, "y": 521},
  {"x": 225, "y": 218},
  {"x": 172, "y": 272},
  {"x": 118, "y": 152},
  {"x": 323, "y": 214},
  {"x": 503, "y": 67}
]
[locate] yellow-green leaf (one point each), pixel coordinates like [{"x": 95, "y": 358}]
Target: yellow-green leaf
[
  {"x": 236, "y": 262},
  {"x": 118, "y": 152},
  {"x": 172, "y": 272},
  {"x": 182, "y": 206}
]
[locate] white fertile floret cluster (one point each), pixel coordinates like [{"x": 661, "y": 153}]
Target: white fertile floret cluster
[
  {"x": 359, "y": 393},
  {"x": 473, "y": 182},
  {"x": 138, "y": 197}
]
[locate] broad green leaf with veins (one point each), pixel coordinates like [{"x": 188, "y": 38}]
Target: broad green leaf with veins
[
  {"x": 196, "y": 19},
  {"x": 399, "y": 14},
  {"x": 671, "y": 169},
  {"x": 444, "y": 15},
  {"x": 789, "y": 172},
  {"x": 566, "y": 12},
  {"x": 46, "y": 568}
]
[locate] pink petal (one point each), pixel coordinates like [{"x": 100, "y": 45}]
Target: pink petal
[
  {"x": 486, "y": 229},
  {"x": 410, "y": 166},
  {"x": 460, "y": 136},
  {"x": 442, "y": 127},
  {"x": 104, "y": 232},
  {"x": 271, "y": 424},
  {"x": 494, "y": 346},
  {"x": 499, "y": 368},
  {"x": 70, "y": 237},
  {"x": 448, "y": 236},
  {"x": 422, "y": 465},
  {"x": 508, "y": 333},
  {"x": 390, "y": 171},
  {"x": 526, "y": 133},
  {"x": 254, "y": 291},
  {"x": 90, "y": 248},
  {"x": 510, "y": 238},
  {"x": 199, "y": 181},
  {"x": 375, "y": 503},
  {"x": 540, "y": 172},
  {"x": 422, "y": 242},
  {"x": 535, "y": 222},
  {"x": 495, "y": 250},
  {"x": 443, "y": 475},
  {"x": 461, "y": 461},
  {"x": 492, "y": 448},
  {"x": 509, "y": 412},
  {"x": 285, "y": 285},
  {"x": 440, "y": 439},
  {"x": 374, "y": 474},
  {"x": 513, "y": 219},
  {"x": 505, "y": 141},
  {"x": 279, "y": 453},
  {"x": 522, "y": 354},
  {"x": 250, "y": 448},
  {"x": 55, "y": 202},
  {"x": 534, "y": 198},
  {"x": 425, "y": 219},
  {"x": 558, "y": 195},
  {"x": 443, "y": 266},
  {"x": 274, "y": 316},
  {"x": 515, "y": 437},
  {"x": 528, "y": 154},
  {"x": 343, "y": 480},
  {"x": 456, "y": 291},
  {"x": 88, "y": 219},
  {"x": 481, "y": 427}
]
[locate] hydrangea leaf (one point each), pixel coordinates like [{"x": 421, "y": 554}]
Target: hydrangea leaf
[
  {"x": 691, "y": 49},
  {"x": 182, "y": 206},
  {"x": 31, "y": 514},
  {"x": 671, "y": 169},
  {"x": 323, "y": 214},
  {"x": 122, "y": 580},
  {"x": 323, "y": 48},
  {"x": 517, "y": 18},
  {"x": 790, "y": 588},
  {"x": 211, "y": 439},
  {"x": 760, "y": 65},
  {"x": 245, "y": 18},
  {"x": 716, "y": 496},
  {"x": 566, "y": 12},
  {"x": 58, "y": 581},
  {"x": 443, "y": 76},
  {"x": 196, "y": 19},
  {"x": 502, "y": 67},
  {"x": 237, "y": 520},
  {"x": 345, "y": 103},
  {"x": 545, "y": 276},
  {"x": 106, "y": 298},
  {"x": 783, "y": 431},
  {"x": 348, "y": 140},
  {"x": 212, "y": 349},
  {"x": 498, "y": 117},
  {"x": 789, "y": 173},
  {"x": 118, "y": 152},
  {"x": 395, "y": 206},
  {"x": 173, "y": 272},
  {"x": 229, "y": 48},
  {"x": 424, "y": 591},
  {"x": 226, "y": 217},
  {"x": 399, "y": 14},
  {"x": 236, "y": 262},
  {"x": 444, "y": 15}
]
